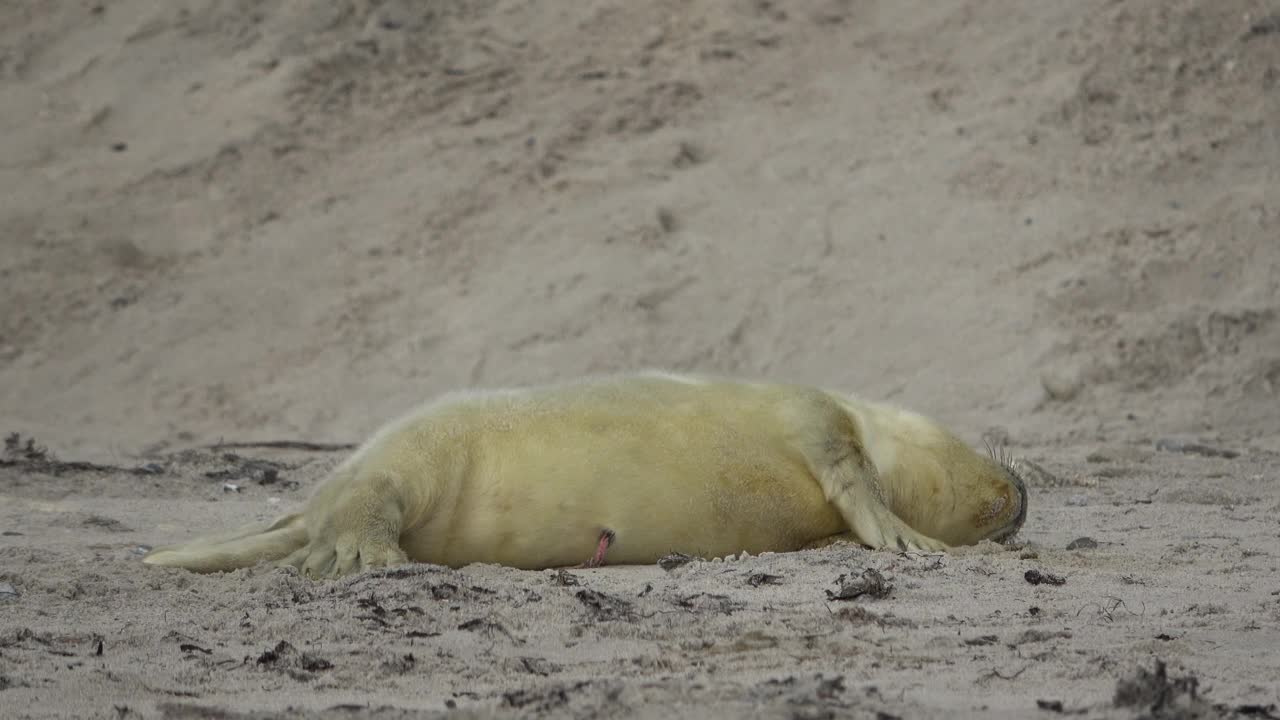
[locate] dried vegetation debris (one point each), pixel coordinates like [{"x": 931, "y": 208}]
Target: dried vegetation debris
[
  {"x": 871, "y": 583},
  {"x": 1154, "y": 694},
  {"x": 28, "y": 456}
]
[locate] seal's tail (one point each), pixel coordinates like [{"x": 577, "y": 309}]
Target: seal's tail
[{"x": 244, "y": 548}]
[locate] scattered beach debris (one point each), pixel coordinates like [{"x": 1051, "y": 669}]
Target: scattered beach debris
[
  {"x": 1036, "y": 577},
  {"x": 710, "y": 602},
  {"x": 284, "y": 657},
  {"x": 1161, "y": 696},
  {"x": 605, "y": 607},
  {"x": 674, "y": 560},
  {"x": 564, "y": 578},
  {"x": 871, "y": 584},
  {"x": 36, "y": 458}
]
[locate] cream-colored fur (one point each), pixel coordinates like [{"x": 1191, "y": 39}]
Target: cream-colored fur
[{"x": 706, "y": 466}]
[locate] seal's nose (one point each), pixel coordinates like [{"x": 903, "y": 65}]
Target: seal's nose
[
  {"x": 1016, "y": 525},
  {"x": 1022, "y": 498}
]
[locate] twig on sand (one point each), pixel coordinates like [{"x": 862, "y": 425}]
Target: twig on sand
[
  {"x": 283, "y": 445},
  {"x": 1108, "y": 612},
  {"x": 1194, "y": 448},
  {"x": 993, "y": 673}
]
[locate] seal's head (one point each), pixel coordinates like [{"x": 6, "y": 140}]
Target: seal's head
[
  {"x": 1007, "y": 518},
  {"x": 943, "y": 488}
]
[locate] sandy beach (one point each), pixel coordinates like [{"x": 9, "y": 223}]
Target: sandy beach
[{"x": 231, "y": 224}]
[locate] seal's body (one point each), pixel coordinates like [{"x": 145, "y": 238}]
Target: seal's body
[{"x": 643, "y": 465}]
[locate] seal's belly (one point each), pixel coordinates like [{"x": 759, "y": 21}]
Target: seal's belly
[{"x": 667, "y": 480}]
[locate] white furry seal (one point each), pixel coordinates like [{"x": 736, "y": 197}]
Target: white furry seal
[{"x": 638, "y": 467}]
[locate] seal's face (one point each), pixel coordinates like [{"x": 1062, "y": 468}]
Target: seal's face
[
  {"x": 961, "y": 497},
  {"x": 1006, "y": 524},
  {"x": 1012, "y": 521}
]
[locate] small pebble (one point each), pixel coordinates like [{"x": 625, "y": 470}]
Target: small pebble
[
  {"x": 8, "y": 591},
  {"x": 230, "y": 487},
  {"x": 1060, "y": 384}
]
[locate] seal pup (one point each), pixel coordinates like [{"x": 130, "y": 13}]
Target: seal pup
[{"x": 636, "y": 466}]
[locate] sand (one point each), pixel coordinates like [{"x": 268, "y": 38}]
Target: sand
[{"x": 1054, "y": 223}]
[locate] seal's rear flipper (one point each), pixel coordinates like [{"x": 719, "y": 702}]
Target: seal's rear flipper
[{"x": 243, "y": 548}]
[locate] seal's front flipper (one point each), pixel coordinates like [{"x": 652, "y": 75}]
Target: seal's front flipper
[
  {"x": 831, "y": 444},
  {"x": 854, "y": 488}
]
